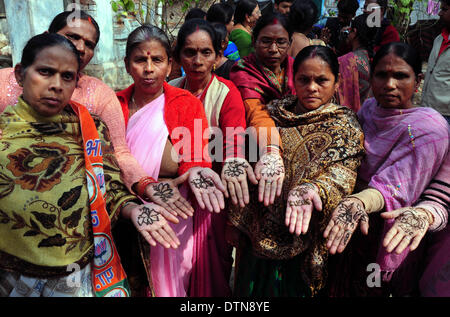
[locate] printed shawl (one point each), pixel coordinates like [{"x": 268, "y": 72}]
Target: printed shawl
[
  {"x": 322, "y": 147},
  {"x": 45, "y": 219},
  {"x": 405, "y": 148},
  {"x": 255, "y": 81}
]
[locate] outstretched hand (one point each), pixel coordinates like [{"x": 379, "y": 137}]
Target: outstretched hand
[
  {"x": 207, "y": 188},
  {"x": 149, "y": 219},
  {"x": 344, "y": 220},
  {"x": 269, "y": 172},
  {"x": 234, "y": 179},
  {"x": 301, "y": 202},
  {"x": 410, "y": 226},
  {"x": 166, "y": 194}
]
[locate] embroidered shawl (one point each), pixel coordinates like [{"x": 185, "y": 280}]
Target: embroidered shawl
[
  {"x": 323, "y": 147},
  {"x": 45, "y": 221}
]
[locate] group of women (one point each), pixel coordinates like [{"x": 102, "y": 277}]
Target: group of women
[{"x": 82, "y": 162}]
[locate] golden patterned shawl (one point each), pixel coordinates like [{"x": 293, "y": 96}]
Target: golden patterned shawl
[
  {"x": 45, "y": 221},
  {"x": 323, "y": 147}
]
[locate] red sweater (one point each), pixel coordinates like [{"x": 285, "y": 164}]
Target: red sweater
[{"x": 180, "y": 110}]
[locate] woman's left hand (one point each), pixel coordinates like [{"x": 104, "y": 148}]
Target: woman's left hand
[
  {"x": 301, "y": 202},
  {"x": 410, "y": 226},
  {"x": 344, "y": 221},
  {"x": 150, "y": 221},
  {"x": 207, "y": 188},
  {"x": 234, "y": 178}
]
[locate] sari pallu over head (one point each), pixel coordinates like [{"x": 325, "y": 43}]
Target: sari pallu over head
[
  {"x": 255, "y": 81},
  {"x": 405, "y": 148}
]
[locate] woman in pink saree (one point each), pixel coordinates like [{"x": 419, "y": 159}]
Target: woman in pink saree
[{"x": 159, "y": 118}]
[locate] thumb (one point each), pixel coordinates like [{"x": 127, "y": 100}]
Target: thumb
[
  {"x": 392, "y": 214},
  {"x": 251, "y": 175},
  {"x": 181, "y": 179},
  {"x": 317, "y": 202},
  {"x": 364, "y": 226}
]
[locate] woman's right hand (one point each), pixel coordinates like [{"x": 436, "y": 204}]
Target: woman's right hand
[
  {"x": 166, "y": 194},
  {"x": 150, "y": 222},
  {"x": 344, "y": 220},
  {"x": 269, "y": 172},
  {"x": 207, "y": 188}
]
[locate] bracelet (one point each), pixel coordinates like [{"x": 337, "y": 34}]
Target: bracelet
[
  {"x": 142, "y": 184},
  {"x": 272, "y": 147}
]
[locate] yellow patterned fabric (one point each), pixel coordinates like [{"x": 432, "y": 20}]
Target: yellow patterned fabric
[
  {"x": 45, "y": 221},
  {"x": 323, "y": 147}
]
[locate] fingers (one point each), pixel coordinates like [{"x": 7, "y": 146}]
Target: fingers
[
  {"x": 404, "y": 243},
  {"x": 261, "y": 190},
  {"x": 251, "y": 175},
  {"x": 185, "y": 206},
  {"x": 307, "y": 212},
  {"x": 395, "y": 241},
  {"x": 337, "y": 233},
  {"x": 217, "y": 181},
  {"x": 317, "y": 202},
  {"x": 328, "y": 228},
  {"x": 280, "y": 184},
  {"x": 240, "y": 195},
  {"x": 415, "y": 242},
  {"x": 267, "y": 189},
  {"x": 364, "y": 226},
  {"x": 344, "y": 241},
  {"x": 148, "y": 238},
  {"x": 199, "y": 197},
  {"x": 205, "y": 199},
  {"x": 168, "y": 215},
  {"x": 245, "y": 193},
  {"x": 273, "y": 192},
  {"x": 232, "y": 192}
]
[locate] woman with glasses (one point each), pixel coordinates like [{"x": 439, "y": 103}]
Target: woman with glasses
[
  {"x": 245, "y": 16},
  {"x": 262, "y": 77},
  {"x": 281, "y": 251}
]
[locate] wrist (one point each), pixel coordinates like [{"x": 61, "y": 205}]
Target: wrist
[
  {"x": 272, "y": 148},
  {"x": 142, "y": 185},
  {"x": 428, "y": 214}
]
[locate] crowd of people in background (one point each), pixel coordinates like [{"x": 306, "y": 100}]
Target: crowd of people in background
[{"x": 255, "y": 131}]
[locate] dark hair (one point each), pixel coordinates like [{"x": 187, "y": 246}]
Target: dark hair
[
  {"x": 302, "y": 15},
  {"x": 221, "y": 31},
  {"x": 406, "y": 52},
  {"x": 195, "y": 13},
  {"x": 192, "y": 26},
  {"x": 447, "y": 2},
  {"x": 270, "y": 19},
  {"x": 145, "y": 33},
  {"x": 244, "y": 7},
  {"x": 324, "y": 52},
  {"x": 279, "y": 1},
  {"x": 366, "y": 35},
  {"x": 348, "y": 6},
  {"x": 61, "y": 20},
  {"x": 220, "y": 12},
  {"x": 42, "y": 41}
]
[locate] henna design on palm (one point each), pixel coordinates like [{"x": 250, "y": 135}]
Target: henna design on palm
[
  {"x": 147, "y": 216},
  {"x": 202, "y": 182},
  {"x": 235, "y": 168},
  {"x": 164, "y": 191}
]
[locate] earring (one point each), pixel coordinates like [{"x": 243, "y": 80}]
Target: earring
[{"x": 214, "y": 68}]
